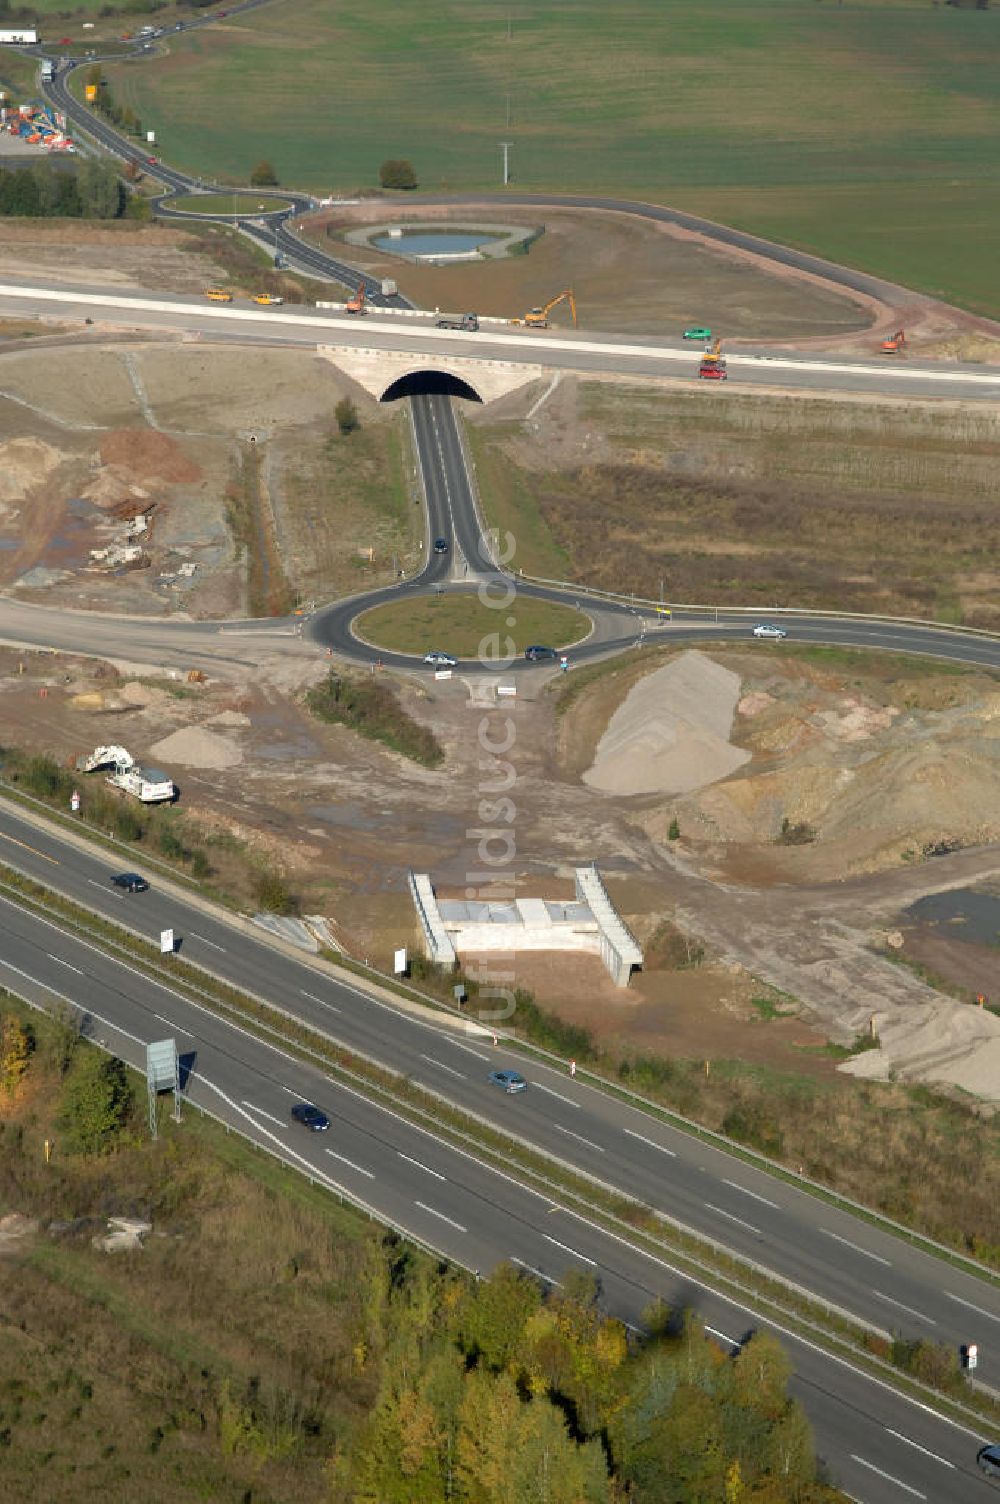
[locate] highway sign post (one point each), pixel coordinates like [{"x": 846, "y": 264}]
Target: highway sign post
[
  {"x": 399, "y": 964},
  {"x": 166, "y": 942},
  {"x": 162, "y": 1074}
]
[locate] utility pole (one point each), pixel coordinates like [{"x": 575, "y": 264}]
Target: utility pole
[
  {"x": 505, "y": 147},
  {"x": 510, "y": 24},
  {"x": 508, "y": 112}
]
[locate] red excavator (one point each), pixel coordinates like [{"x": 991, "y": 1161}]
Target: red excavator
[
  {"x": 894, "y": 343},
  {"x": 356, "y": 304},
  {"x": 713, "y": 363}
]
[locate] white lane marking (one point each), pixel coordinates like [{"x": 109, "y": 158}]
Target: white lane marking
[
  {"x": 571, "y": 1251},
  {"x": 969, "y": 1306},
  {"x": 927, "y": 1453},
  {"x": 888, "y": 1476},
  {"x": 579, "y": 1137},
  {"x": 345, "y": 1161},
  {"x": 856, "y": 1246},
  {"x": 321, "y": 1000},
  {"x": 171, "y": 1025},
  {"x": 568, "y": 1100},
  {"x": 261, "y": 1113},
  {"x": 431, "y": 1061},
  {"x": 426, "y": 1168},
  {"x": 64, "y": 963},
  {"x": 80, "y": 1007},
  {"x": 650, "y": 1141},
  {"x": 756, "y": 1197},
  {"x": 450, "y": 1220},
  {"x": 95, "y": 884},
  {"x": 479, "y": 1054},
  {"x": 713, "y": 1331},
  {"x": 538, "y": 1273},
  {"x": 731, "y": 1218},
  {"x": 908, "y": 1309},
  {"x": 195, "y": 936}
]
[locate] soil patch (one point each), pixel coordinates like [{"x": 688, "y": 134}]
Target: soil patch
[{"x": 149, "y": 454}]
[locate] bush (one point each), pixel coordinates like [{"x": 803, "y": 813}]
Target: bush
[
  {"x": 372, "y": 709},
  {"x": 96, "y": 1103},
  {"x": 274, "y": 895},
  {"x": 396, "y": 172},
  {"x": 346, "y": 415},
  {"x": 263, "y": 175}
]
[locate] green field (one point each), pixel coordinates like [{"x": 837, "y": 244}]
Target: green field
[
  {"x": 865, "y": 130},
  {"x": 460, "y": 624}
]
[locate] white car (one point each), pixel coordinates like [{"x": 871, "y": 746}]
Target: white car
[
  {"x": 765, "y": 629},
  {"x": 440, "y": 660}
]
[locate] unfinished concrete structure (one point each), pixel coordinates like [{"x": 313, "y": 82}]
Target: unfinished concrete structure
[{"x": 587, "y": 924}]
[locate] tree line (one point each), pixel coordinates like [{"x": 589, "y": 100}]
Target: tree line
[{"x": 93, "y": 190}]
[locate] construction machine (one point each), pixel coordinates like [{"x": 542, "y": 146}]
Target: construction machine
[
  {"x": 894, "y": 343},
  {"x": 356, "y": 304},
  {"x": 538, "y": 318},
  {"x": 713, "y": 363}
]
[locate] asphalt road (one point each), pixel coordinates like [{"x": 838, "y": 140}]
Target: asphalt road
[
  {"x": 878, "y": 1445},
  {"x": 843, "y": 1261}
]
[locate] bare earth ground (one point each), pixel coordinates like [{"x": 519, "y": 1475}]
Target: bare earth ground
[
  {"x": 102, "y": 430},
  {"x": 638, "y": 276},
  {"x": 123, "y": 254}
]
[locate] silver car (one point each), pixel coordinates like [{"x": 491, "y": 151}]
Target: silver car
[{"x": 767, "y": 629}]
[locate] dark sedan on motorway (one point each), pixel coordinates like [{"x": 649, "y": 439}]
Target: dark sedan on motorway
[
  {"x": 310, "y": 1117},
  {"x": 130, "y": 882}
]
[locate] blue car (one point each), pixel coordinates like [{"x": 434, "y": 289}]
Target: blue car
[
  {"x": 508, "y": 1081},
  {"x": 310, "y": 1117}
]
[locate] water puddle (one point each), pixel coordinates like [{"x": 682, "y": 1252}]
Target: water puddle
[{"x": 970, "y": 916}]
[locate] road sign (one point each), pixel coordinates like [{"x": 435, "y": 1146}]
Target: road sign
[
  {"x": 166, "y": 942},
  {"x": 399, "y": 962}
]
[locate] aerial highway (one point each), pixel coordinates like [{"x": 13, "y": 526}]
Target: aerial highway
[
  {"x": 878, "y": 1444},
  {"x": 861, "y": 1268}
]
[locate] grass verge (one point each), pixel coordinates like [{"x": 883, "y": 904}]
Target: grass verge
[
  {"x": 467, "y": 628},
  {"x": 370, "y": 707}
]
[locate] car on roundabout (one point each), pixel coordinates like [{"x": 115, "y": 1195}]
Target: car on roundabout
[
  {"x": 440, "y": 660},
  {"x": 539, "y": 654},
  {"x": 768, "y": 629},
  {"x": 508, "y": 1081}
]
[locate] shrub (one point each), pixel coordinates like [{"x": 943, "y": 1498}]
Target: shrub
[
  {"x": 96, "y": 1103},
  {"x": 346, "y": 415},
  {"x": 371, "y": 708},
  {"x": 263, "y": 175},
  {"x": 397, "y": 172},
  {"x": 274, "y": 894}
]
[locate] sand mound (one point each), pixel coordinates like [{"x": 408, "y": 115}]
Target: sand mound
[
  {"x": 195, "y": 747},
  {"x": 671, "y": 733},
  {"x": 148, "y": 454}
]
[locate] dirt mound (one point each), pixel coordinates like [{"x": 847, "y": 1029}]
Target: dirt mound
[
  {"x": 671, "y": 733},
  {"x": 148, "y": 455},
  {"x": 195, "y": 747}
]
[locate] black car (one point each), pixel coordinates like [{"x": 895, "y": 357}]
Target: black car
[
  {"x": 537, "y": 654},
  {"x": 441, "y": 545},
  {"x": 310, "y": 1117},
  {"x": 130, "y": 882}
]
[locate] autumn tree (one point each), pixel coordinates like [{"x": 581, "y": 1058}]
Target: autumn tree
[{"x": 16, "y": 1044}]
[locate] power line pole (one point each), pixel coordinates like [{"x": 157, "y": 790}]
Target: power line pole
[
  {"x": 505, "y": 147},
  {"x": 508, "y": 112}
]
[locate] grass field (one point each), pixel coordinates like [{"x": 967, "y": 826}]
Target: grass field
[
  {"x": 459, "y": 624},
  {"x": 839, "y": 125},
  {"x": 851, "y": 506}
]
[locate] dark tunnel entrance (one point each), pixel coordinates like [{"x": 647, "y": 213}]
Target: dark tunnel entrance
[{"x": 430, "y": 384}]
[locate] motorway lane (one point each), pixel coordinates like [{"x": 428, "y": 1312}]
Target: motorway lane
[
  {"x": 875, "y": 1441},
  {"x": 822, "y": 1248}
]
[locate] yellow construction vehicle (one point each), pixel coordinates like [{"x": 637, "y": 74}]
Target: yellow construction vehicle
[{"x": 538, "y": 318}]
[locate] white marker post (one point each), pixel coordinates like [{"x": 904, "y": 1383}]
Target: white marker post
[{"x": 399, "y": 964}]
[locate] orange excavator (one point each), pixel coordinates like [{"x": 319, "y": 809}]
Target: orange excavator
[
  {"x": 894, "y": 343},
  {"x": 538, "y": 318},
  {"x": 356, "y": 304}
]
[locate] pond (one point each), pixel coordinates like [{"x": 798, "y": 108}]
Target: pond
[
  {"x": 432, "y": 242},
  {"x": 975, "y": 916}
]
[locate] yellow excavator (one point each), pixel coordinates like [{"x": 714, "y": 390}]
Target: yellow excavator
[{"x": 538, "y": 318}]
